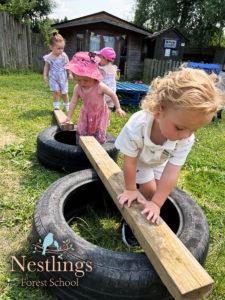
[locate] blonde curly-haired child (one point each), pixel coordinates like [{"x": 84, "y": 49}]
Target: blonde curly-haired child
[{"x": 157, "y": 139}]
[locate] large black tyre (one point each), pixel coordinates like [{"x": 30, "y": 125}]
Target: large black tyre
[
  {"x": 57, "y": 150},
  {"x": 116, "y": 275}
]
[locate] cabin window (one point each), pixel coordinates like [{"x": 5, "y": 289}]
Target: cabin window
[
  {"x": 109, "y": 41},
  {"x": 80, "y": 42},
  {"x": 95, "y": 42}
]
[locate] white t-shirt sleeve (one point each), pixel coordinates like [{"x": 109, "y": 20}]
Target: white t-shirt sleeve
[
  {"x": 66, "y": 57},
  {"x": 180, "y": 153},
  {"x": 47, "y": 58},
  {"x": 115, "y": 68},
  {"x": 130, "y": 141}
]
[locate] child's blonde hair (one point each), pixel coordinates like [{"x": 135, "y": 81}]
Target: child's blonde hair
[
  {"x": 188, "y": 89},
  {"x": 55, "y": 38}
]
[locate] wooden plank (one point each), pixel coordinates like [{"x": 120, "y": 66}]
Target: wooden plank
[
  {"x": 60, "y": 117},
  {"x": 181, "y": 273}
]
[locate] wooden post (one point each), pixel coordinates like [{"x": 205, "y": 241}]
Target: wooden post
[
  {"x": 87, "y": 37},
  {"x": 60, "y": 117},
  {"x": 181, "y": 273}
]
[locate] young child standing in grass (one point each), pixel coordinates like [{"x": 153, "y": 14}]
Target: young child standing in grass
[
  {"x": 55, "y": 73},
  {"x": 156, "y": 140},
  {"x": 109, "y": 71},
  {"x": 94, "y": 113}
]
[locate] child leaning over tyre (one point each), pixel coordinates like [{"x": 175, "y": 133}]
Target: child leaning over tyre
[
  {"x": 94, "y": 114},
  {"x": 156, "y": 140}
]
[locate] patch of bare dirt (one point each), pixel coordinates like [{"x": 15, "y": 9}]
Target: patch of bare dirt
[{"x": 6, "y": 137}]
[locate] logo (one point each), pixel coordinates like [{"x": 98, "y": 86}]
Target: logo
[
  {"x": 52, "y": 246},
  {"x": 52, "y": 262}
]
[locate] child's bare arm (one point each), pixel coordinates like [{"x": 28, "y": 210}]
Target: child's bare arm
[
  {"x": 130, "y": 193},
  {"x": 45, "y": 72},
  {"x": 106, "y": 90},
  {"x": 167, "y": 182},
  {"x": 73, "y": 104},
  {"x": 70, "y": 75},
  {"x": 129, "y": 169}
]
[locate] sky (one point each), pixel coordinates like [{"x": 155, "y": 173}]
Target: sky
[{"x": 72, "y": 9}]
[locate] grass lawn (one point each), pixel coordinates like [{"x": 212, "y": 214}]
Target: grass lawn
[{"x": 26, "y": 109}]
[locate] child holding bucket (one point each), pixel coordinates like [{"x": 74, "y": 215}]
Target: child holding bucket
[
  {"x": 156, "y": 140},
  {"x": 94, "y": 114},
  {"x": 54, "y": 72}
]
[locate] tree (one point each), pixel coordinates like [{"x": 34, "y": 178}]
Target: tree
[
  {"x": 32, "y": 12},
  {"x": 141, "y": 12},
  {"x": 156, "y": 14},
  {"x": 201, "y": 21},
  {"x": 24, "y": 10}
]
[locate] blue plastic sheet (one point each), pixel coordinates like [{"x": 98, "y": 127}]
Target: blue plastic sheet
[
  {"x": 209, "y": 68},
  {"x": 131, "y": 93}
]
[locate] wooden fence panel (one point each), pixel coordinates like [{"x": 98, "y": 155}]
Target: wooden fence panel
[
  {"x": 38, "y": 50},
  {"x": 154, "y": 68},
  {"x": 1, "y": 42},
  {"x": 13, "y": 48},
  {"x": 19, "y": 47}
]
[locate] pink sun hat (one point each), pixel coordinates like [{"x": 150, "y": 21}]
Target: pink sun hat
[
  {"x": 107, "y": 53},
  {"x": 83, "y": 64}
]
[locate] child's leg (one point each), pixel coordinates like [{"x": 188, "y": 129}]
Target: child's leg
[
  {"x": 65, "y": 98},
  {"x": 148, "y": 180},
  {"x": 66, "y": 101},
  {"x": 64, "y": 90},
  {"x": 56, "y": 97},
  {"x": 99, "y": 126},
  {"x": 148, "y": 189},
  {"x": 82, "y": 125},
  {"x": 100, "y": 136}
]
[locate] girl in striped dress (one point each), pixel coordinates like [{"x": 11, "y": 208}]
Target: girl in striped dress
[{"x": 55, "y": 73}]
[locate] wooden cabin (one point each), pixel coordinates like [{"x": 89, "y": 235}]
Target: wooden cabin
[{"x": 99, "y": 30}]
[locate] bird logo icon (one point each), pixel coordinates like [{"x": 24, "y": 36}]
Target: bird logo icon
[
  {"x": 51, "y": 246},
  {"x": 49, "y": 241}
]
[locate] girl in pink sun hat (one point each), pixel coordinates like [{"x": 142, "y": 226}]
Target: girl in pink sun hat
[
  {"x": 94, "y": 114},
  {"x": 108, "y": 70},
  {"x": 108, "y": 53}
]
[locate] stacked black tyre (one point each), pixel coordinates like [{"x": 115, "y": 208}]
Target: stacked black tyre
[
  {"x": 115, "y": 275},
  {"x": 57, "y": 150}
]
